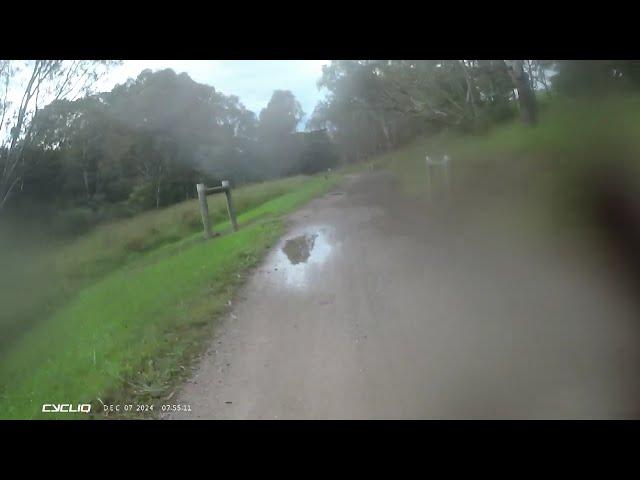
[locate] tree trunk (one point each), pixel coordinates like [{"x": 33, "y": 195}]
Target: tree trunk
[
  {"x": 85, "y": 179},
  {"x": 385, "y": 131},
  {"x": 471, "y": 90},
  {"x": 526, "y": 96},
  {"x": 6, "y": 193}
]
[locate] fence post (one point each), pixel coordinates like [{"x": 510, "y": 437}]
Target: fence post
[
  {"x": 447, "y": 181},
  {"x": 429, "y": 175},
  {"x": 441, "y": 180},
  {"x": 204, "y": 209},
  {"x": 230, "y": 209}
]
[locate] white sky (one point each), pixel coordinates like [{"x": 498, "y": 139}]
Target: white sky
[{"x": 253, "y": 81}]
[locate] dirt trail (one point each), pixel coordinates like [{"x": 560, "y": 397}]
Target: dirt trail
[{"x": 366, "y": 309}]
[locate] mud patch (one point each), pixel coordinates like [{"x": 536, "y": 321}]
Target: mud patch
[{"x": 299, "y": 249}]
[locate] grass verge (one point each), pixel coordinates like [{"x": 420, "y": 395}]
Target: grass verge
[
  {"x": 41, "y": 274},
  {"x": 536, "y": 182},
  {"x": 130, "y": 336}
]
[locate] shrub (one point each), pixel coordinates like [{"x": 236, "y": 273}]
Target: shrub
[{"x": 74, "y": 220}]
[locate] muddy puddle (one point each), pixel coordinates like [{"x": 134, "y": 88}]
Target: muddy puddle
[
  {"x": 298, "y": 249},
  {"x": 303, "y": 253}
]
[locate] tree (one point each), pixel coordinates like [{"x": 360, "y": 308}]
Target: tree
[
  {"x": 317, "y": 152},
  {"x": 281, "y": 116},
  {"x": 577, "y": 77},
  {"x": 145, "y": 143},
  {"x": 27, "y": 86},
  {"x": 375, "y": 105},
  {"x": 183, "y": 129},
  {"x": 278, "y": 123},
  {"x": 526, "y": 96}
]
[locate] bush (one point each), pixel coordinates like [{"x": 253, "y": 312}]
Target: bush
[
  {"x": 74, "y": 220},
  {"x": 191, "y": 218},
  {"x": 142, "y": 197}
]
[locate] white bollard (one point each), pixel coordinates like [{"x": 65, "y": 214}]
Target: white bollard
[{"x": 431, "y": 165}]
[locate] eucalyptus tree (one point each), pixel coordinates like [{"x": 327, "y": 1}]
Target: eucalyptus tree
[{"x": 26, "y": 86}]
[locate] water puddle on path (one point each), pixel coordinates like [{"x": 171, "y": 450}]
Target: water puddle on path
[
  {"x": 302, "y": 253},
  {"x": 298, "y": 249}
]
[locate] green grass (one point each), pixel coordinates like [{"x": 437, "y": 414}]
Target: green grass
[
  {"x": 129, "y": 336},
  {"x": 44, "y": 274},
  {"x": 571, "y": 135},
  {"x": 533, "y": 182},
  {"x": 110, "y": 246}
]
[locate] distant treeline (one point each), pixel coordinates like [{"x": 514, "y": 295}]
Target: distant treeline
[
  {"x": 375, "y": 105},
  {"x": 148, "y": 142}
]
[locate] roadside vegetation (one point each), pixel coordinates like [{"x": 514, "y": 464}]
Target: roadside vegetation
[
  {"x": 561, "y": 181},
  {"x": 132, "y": 331}
]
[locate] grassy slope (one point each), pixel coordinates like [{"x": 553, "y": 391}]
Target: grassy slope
[
  {"x": 129, "y": 335},
  {"x": 533, "y": 181},
  {"x": 34, "y": 289},
  {"x": 570, "y": 134}
]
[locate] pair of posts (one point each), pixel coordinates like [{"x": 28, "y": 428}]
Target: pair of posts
[{"x": 438, "y": 170}]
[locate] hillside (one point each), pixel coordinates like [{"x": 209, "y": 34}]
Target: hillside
[{"x": 122, "y": 309}]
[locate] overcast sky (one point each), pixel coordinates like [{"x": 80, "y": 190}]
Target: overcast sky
[{"x": 252, "y": 80}]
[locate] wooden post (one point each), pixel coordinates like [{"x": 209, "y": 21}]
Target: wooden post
[
  {"x": 204, "y": 209},
  {"x": 230, "y": 209}
]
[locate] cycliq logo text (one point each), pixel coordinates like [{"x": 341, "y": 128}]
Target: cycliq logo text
[{"x": 66, "y": 408}]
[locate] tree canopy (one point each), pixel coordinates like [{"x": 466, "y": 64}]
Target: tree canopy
[{"x": 148, "y": 141}]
